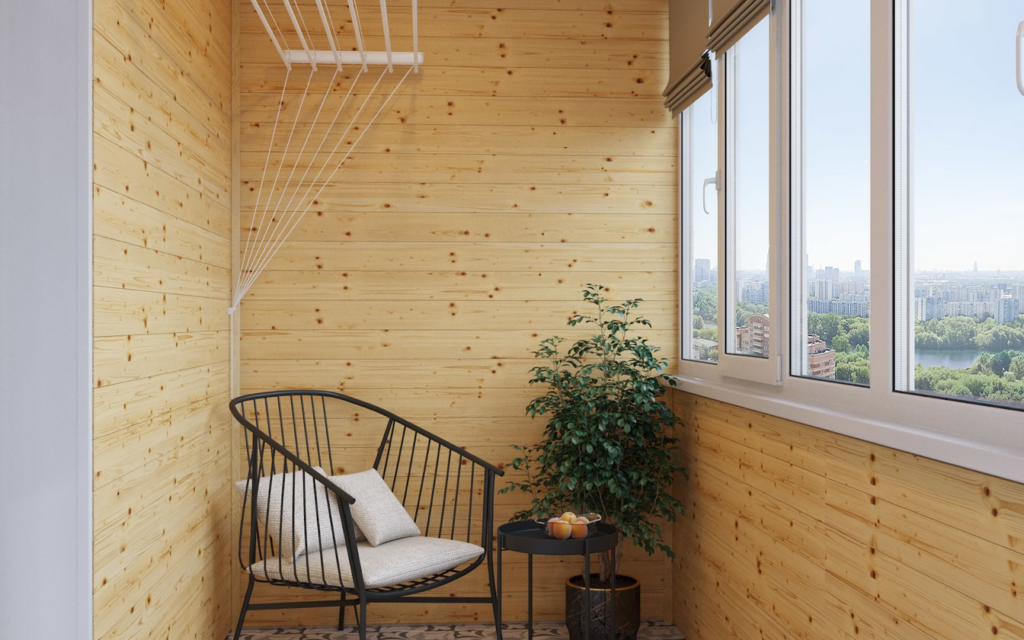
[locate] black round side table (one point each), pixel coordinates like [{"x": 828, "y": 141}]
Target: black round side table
[{"x": 530, "y": 538}]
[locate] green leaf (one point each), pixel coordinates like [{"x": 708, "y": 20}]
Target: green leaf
[{"x": 606, "y": 444}]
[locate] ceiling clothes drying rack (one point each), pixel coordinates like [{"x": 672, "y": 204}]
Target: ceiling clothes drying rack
[{"x": 282, "y": 201}]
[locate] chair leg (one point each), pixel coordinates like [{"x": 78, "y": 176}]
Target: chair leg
[
  {"x": 245, "y": 607},
  {"x": 494, "y": 596},
  {"x": 362, "y": 619},
  {"x": 341, "y": 614}
]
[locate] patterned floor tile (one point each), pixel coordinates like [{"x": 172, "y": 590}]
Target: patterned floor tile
[{"x": 513, "y": 631}]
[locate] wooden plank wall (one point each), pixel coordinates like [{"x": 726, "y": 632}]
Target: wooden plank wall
[
  {"x": 162, "y": 266},
  {"x": 530, "y": 155},
  {"x": 795, "y": 532}
]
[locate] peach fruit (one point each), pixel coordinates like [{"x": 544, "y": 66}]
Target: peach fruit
[
  {"x": 561, "y": 529},
  {"x": 569, "y": 517},
  {"x": 579, "y": 528}
]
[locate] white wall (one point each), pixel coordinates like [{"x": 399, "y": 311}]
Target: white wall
[{"x": 45, "y": 318}]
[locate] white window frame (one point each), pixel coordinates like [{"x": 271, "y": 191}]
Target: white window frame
[
  {"x": 976, "y": 436},
  {"x": 768, "y": 370},
  {"x": 902, "y": 277},
  {"x": 796, "y": 272},
  {"x": 793, "y": 159},
  {"x": 688, "y": 183},
  {"x": 685, "y": 123}
]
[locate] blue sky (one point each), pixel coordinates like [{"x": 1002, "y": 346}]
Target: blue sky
[
  {"x": 837, "y": 129},
  {"x": 750, "y": 165},
  {"x": 968, "y": 135},
  {"x": 967, "y": 138}
]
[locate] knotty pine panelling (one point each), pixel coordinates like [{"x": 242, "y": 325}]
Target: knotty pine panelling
[
  {"x": 162, "y": 177},
  {"x": 530, "y": 156},
  {"x": 796, "y": 532}
]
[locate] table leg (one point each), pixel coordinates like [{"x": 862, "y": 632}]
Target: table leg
[
  {"x": 501, "y": 542},
  {"x": 586, "y": 591},
  {"x": 529, "y": 596}
]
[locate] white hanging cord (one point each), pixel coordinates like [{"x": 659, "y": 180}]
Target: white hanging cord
[
  {"x": 260, "y": 250},
  {"x": 269, "y": 248},
  {"x": 354, "y": 11},
  {"x": 270, "y": 31},
  {"x": 298, "y": 30},
  {"x": 287, "y": 232},
  {"x": 277, "y": 175},
  {"x": 302, "y": 149},
  {"x": 284, "y": 39},
  {"x": 327, "y": 133},
  {"x": 262, "y": 265},
  {"x": 330, "y": 20},
  {"x": 266, "y": 163},
  {"x": 298, "y": 156},
  {"x": 329, "y": 30},
  {"x": 305, "y": 30}
]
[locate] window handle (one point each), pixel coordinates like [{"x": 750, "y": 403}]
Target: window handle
[
  {"x": 1020, "y": 74},
  {"x": 704, "y": 191}
]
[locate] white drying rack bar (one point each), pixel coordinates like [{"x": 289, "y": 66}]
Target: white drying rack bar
[
  {"x": 373, "y": 58},
  {"x": 308, "y": 54}
]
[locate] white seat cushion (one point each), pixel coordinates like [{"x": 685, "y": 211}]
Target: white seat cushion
[
  {"x": 383, "y": 566},
  {"x": 379, "y": 514}
]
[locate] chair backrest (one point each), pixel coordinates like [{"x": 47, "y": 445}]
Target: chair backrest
[{"x": 443, "y": 487}]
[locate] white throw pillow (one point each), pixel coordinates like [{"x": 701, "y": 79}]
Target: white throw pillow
[
  {"x": 298, "y": 515},
  {"x": 379, "y": 514}
]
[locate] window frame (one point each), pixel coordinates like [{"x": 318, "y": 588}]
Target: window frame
[
  {"x": 904, "y": 277},
  {"x": 768, "y": 370},
  {"x": 797, "y": 282},
  {"x": 978, "y": 436},
  {"x": 797, "y": 245},
  {"x": 687, "y": 185},
  {"x": 685, "y": 123}
]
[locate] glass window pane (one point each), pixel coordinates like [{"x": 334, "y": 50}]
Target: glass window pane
[
  {"x": 965, "y": 202},
  {"x": 700, "y": 229},
  {"x": 747, "y": 193},
  {"x": 831, "y": 188}
]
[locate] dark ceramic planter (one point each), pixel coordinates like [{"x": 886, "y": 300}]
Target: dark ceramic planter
[{"x": 627, "y": 608}]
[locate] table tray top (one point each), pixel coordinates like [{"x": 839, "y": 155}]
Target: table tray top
[{"x": 528, "y": 536}]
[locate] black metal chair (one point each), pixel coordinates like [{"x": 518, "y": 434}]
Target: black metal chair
[{"x": 295, "y": 431}]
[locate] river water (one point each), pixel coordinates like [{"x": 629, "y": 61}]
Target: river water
[{"x": 948, "y": 358}]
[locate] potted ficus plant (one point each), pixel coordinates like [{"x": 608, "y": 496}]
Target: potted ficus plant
[{"x": 607, "y": 448}]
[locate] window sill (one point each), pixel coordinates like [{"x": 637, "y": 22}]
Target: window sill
[{"x": 978, "y": 456}]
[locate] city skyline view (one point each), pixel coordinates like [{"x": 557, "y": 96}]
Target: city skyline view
[
  {"x": 971, "y": 322},
  {"x": 963, "y": 169}
]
